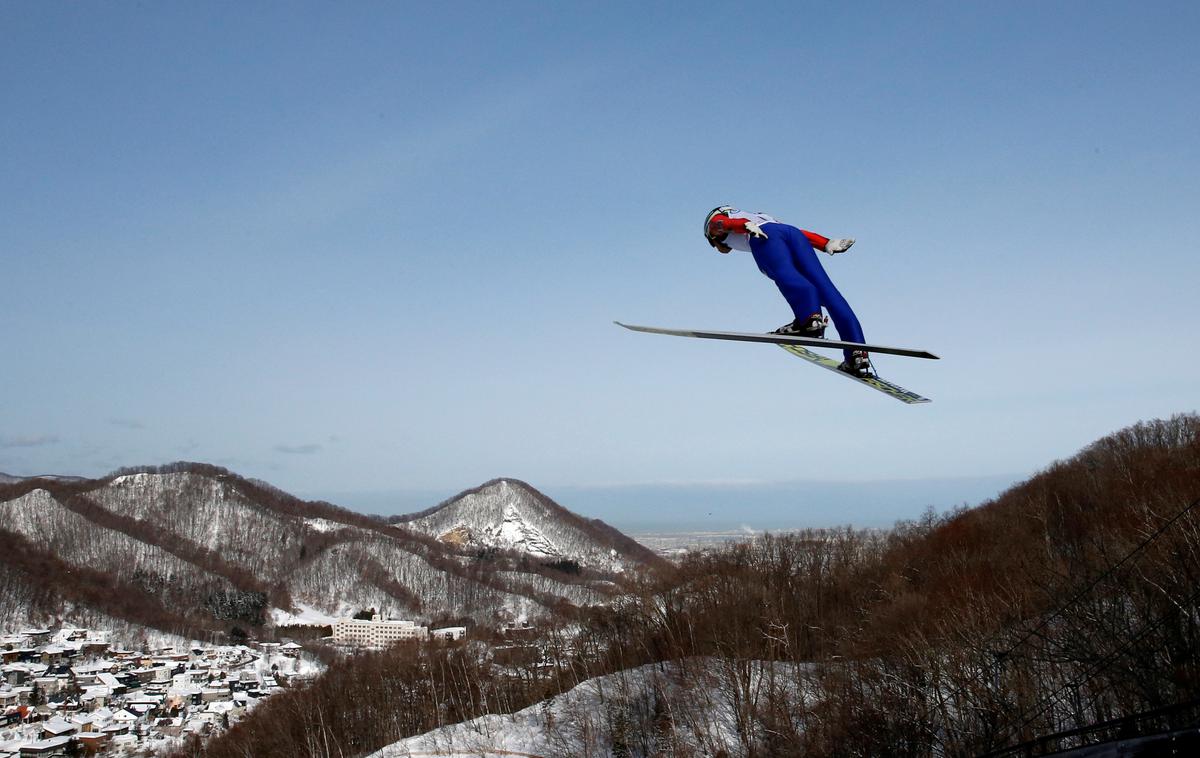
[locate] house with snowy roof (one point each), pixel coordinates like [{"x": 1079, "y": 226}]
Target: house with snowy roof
[
  {"x": 92, "y": 743},
  {"x": 57, "y": 727},
  {"x": 93, "y": 647},
  {"x": 101, "y": 716},
  {"x": 49, "y": 685},
  {"x": 212, "y": 694},
  {"x": 36, "y": 636},
  {"x": 197, "y": 725},
  {"x": 169, "y": 726},
  {"x": 145, "y": 704},
  {"x": 223, "y": 708},
  {"x": 115, "y": 685},
  {"x": 23, "y": 695},
  {"x": 114, "y": 729},
  {"x": 291, "y": 649},
  {"x": 200, "y": 674},
  {"x": 22, "y": 673},
  {"x": 148, "y": 674},
  {"x": 82, "y": 677},
  {"x": 51, "y": 748},
  {"x": 94, "y": 697},
  {"x": 127, "y": 742},
  {"x": 53, "y": 655}
]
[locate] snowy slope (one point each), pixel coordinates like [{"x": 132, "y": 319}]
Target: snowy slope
[
  {"x": 209, "y": 513},
  {"x": 682, "y": 707},
  {"x": 47, "y": 523}
]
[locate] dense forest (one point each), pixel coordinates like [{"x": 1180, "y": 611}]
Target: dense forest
[{"x": 1067, "y": 602}]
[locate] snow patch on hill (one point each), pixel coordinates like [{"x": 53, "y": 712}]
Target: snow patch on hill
[
  {"x": 323, "y": 525},
  {"x": 306, "y": 615},
  {"x": 133, "y": 480},
  {"x": 685, "y": 703},
  {"x": 515, "y": 533}
]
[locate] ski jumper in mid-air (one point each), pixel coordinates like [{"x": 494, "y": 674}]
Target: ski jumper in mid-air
[{"x": 787, "y": 256}]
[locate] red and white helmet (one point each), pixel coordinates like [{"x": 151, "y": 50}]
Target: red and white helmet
[{"x": 708, "y": 235}]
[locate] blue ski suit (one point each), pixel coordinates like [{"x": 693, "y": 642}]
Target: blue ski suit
[{"x": 788, "y": 259}]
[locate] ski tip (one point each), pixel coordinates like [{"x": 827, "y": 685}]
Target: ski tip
[{"x": 911, "y": 353}]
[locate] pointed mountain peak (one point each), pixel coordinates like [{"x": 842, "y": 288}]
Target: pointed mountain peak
[{"x": 509, "y": 514}]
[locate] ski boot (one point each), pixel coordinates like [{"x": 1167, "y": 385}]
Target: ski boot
[
  {"x": 857, "y": 365},
  {"x": 812, "y": 326}
]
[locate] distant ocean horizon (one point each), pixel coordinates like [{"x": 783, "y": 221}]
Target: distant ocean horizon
[{"x": 751, "y": 506}]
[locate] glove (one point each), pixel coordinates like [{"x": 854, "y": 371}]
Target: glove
[
  {"x": 754, "y": 230},
  {"x": 839, "y": 246}
]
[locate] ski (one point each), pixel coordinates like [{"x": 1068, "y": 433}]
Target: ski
[
  {"x": 874, "y": 382},
  {"x": 783, "y": 340},
  {"x": 796, "y": 346}
]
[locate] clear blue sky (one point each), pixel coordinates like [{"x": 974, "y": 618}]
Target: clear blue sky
[{"x": 378, "y": 247}]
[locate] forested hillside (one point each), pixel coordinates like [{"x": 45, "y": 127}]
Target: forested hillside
[
  {"x": 1068, "y": 601},
  {"x": 199, "y": 551}
]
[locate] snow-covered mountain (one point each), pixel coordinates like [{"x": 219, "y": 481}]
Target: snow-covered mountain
[
  {"x": 508, "y": 514},
  {"x": 197, "y": 548}
]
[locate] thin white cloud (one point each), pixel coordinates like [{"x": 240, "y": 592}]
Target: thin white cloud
[
  {"x": 38, "y": 440},
  {"x": 308, "y": 449}
]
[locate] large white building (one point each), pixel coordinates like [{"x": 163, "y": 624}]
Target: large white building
[{"x": 377, "y": 632}]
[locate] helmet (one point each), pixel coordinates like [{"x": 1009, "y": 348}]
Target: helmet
[{"x": 713, "y": 240}]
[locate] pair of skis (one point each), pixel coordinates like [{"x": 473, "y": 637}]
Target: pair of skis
[{"x": 798, "y": 346}]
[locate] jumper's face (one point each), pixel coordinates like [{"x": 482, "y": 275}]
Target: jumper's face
[{"x": 722, "y": 247}]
